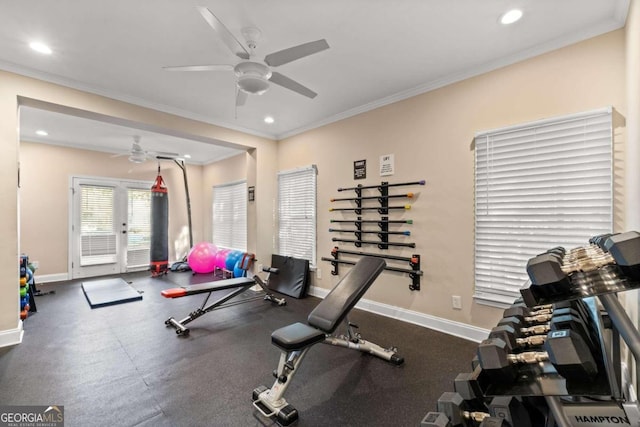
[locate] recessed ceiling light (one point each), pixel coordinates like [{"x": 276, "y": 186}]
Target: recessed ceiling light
[
  {"x": 40, "y": 47},
  {"x": 511, "y": 16},
  {"x": 269, "y": 119},
  {"x": 187, "y": 156},
  {"x": 42, "y": 132}
]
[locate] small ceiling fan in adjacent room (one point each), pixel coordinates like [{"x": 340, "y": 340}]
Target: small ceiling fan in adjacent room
[
  {"x": 138, "y": 155},
  {"x": 252, "y": 75}
]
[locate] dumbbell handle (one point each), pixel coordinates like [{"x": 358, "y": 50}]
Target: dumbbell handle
[
  {"x": 538, "y": 318},
  {"x": 475, "y": 416},
  {"x": 587, "y": 264},
  {"x": 528, "y": 357},
  {"x": 536, "y": 330},
  {"x": 538, "y": 312},
  {"x": 534, "y": 340},
  {"x": 585, "y": 252}
]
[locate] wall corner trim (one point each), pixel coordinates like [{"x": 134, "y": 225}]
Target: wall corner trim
[
  {"x": 457, "y": 329},
  {"x": 11, "y": 337}
]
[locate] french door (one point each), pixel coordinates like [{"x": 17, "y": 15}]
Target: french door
[{"x": 110, "y": 229}]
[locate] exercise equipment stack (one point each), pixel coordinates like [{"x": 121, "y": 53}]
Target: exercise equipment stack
[
  {"x": 554, "y": 359},
  {"x": 383, "y": 233},
  {"x": 24, "y": 287}
]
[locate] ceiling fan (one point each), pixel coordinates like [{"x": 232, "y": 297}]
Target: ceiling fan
[
  {"x": 138, "y": 155},
  {"x": 253, "y": 76}
]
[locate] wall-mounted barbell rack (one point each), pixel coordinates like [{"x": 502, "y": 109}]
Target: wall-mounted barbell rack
[
  {"x": 414, "y": 262},
  {"x": 383, "y": 224}
]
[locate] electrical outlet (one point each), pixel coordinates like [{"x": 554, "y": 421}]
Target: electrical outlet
[
  {"x": 456, "y": 302},
  {"x": 318, "y": 274},
  {"x": 259, "y": 267}
]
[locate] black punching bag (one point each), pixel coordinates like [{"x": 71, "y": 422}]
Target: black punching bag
[{"x": 159, "y": 227}]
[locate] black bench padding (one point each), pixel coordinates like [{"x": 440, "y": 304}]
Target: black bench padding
[
  {"x": 296, "y": 336},
  {"x": 336, "y": 305}
]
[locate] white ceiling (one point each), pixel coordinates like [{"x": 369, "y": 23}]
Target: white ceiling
[{"x": 381, "y": 51}]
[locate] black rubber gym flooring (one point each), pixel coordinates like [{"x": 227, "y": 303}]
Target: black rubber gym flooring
[{"x": 121, "y": 366}]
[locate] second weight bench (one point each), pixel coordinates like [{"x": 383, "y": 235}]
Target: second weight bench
[
  {"x": 296, "y": 339},
  {"x": 237, "y": 285}
]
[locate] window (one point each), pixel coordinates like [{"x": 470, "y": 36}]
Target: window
[
  {"x": 297, "y": 213},
  {"x": 538, "y": 185},
  {"x": 230, "y": 215},
  {"x": 97, "y": 225},
  {"x": 139, "y": 227}
]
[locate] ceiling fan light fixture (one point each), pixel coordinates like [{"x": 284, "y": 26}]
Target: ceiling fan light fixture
[
  {"x": 252, "y": 77},
  {"x": 254, "y": 85},
  {"x": 136, "y": 158}
]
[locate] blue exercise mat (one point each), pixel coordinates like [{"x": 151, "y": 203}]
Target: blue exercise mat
[{"x": 101, "y": 293}]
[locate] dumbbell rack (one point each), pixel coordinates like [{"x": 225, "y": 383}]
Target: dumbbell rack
[
  {"x": 592, "y": 281},
  {"x": 383, "y": 232},
  {"x": 608, "y": 399}
]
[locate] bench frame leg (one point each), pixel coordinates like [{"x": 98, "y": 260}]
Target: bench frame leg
[
  {"x": 271, "y": 402},
  {"x": 353, "y": 340}
]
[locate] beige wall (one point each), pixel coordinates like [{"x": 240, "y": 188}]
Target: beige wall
[
  {"x": 45, "y": 181},
  {"x": 19, "y": 90},
  {"x": 430, "y": 136}
]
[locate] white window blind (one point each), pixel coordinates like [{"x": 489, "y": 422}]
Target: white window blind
[
  {"x": 138, "y": 227},
  {"x": 297, "y": 213},
  {"x": 97, "y": 230},
  {"x": 538, "y": 185},
  {"x": 230, "y": 215}
]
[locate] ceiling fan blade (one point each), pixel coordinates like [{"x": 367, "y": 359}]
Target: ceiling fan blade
[
  {"x": 241, "y": 98},
  {"x": 291, "y": 54},
  {"x": 199, "y": 68},
  {"x": 293, "y": 85},
  {"x": 232, "y": 43}
]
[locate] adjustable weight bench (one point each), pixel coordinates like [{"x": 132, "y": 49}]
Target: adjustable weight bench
[
  {"x": 239, "y": 285},
  {"x": 296, "y": 339}
]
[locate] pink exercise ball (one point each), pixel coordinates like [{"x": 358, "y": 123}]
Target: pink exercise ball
[
  {"x": 221, "y": 258},
  {"x": 202, "y": 257}
]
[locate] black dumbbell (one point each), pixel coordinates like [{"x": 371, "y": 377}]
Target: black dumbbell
[
  {"x": 514, "y": 339},
  {"x": 469, "y": 386},
  {"x": 586, "y": 330},
  {"x": 435, "y": 419},
  {"x": 623, "y": 249},
  {"x": 516, "y": 336},
  {"x": 508, "y": 408},
  {"x": 455, "y": 408},
  {"x": 521, "y": 309},
  {"x": 577, "y": 311},
  {"x": 566, "y": 350},
  {"x": 600, "y": 239}
]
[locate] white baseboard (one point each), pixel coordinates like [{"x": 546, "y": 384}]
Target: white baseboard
[
  {"x": 457, "y": 329},
  {"x": 11, "y": 336},
  {"x": 49, "y": 278}
]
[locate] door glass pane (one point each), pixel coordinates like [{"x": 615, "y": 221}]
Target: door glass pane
[
  {"x": 139, "y": 226},
  {"x": 97, "y": 231}
]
